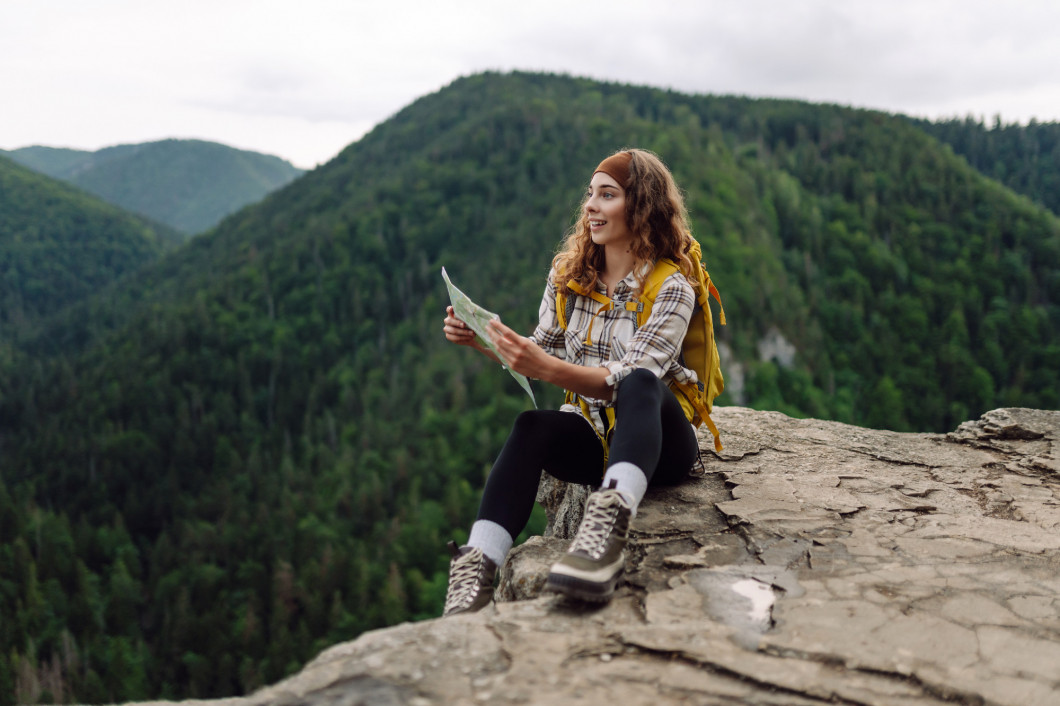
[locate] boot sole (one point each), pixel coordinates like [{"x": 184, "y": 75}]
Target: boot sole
[{"x": 574, "y": 587}]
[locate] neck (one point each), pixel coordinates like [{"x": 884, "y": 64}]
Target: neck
[{"x": 618, "y": 262}]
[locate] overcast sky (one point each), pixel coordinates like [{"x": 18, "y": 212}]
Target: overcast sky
[{"x": 304, "y": 78}]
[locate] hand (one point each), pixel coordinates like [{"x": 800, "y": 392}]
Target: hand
[
  {"x": 456, "y": 331},
  {"x": 520, "y": 353}
]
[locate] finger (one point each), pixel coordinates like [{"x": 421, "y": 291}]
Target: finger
[
  {"x": 501, "y": 344},
  {"x": 455, "y": 328},
  {"x": 499, "y": 325}
]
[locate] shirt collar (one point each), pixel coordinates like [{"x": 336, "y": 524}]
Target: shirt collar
[{"x": 629, "y": 282}]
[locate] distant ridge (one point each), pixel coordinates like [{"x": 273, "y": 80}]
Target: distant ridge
[
  {"x": 1025, "y": 158},
  {"x": 59, "y": 245},
  {"x": 189, "y": 185}
]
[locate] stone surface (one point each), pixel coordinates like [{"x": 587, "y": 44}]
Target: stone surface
[{"x": 809, "y": 562}]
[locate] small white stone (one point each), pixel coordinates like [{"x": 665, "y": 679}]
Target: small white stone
[{"x": 605, "y": 657}]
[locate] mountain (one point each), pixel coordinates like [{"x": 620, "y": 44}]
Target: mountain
[
  {"x": 259, "y": 445},
  {"x": 189, "y": 185},
  {"x": 59, "y": 245}
]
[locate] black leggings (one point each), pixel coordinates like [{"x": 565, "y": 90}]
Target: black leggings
[{"x": 651, "y": 432}]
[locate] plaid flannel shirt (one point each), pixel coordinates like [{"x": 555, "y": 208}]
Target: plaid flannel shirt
[{"x": 614, "y": 341}]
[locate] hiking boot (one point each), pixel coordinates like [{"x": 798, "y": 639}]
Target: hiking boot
[
  {"x": 470, "y": 580},
  {"x": 592, "y": 566}
]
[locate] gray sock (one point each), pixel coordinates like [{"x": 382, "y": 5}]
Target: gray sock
[
  {"x": 629, "y": 480},
  {"x": 492, "y": 539}
]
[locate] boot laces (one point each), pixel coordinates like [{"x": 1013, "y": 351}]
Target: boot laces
[
  {"x": 464, "y": 580},
  {"x": 601, "y": 513}
]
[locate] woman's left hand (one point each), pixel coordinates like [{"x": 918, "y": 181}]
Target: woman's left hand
[{"x": 520, "y": 353}]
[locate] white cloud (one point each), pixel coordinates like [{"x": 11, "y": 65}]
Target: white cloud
[{"x": 305, "y": 79}]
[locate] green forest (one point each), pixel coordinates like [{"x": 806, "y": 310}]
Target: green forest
[
  {"x": 256, "y": 444},
  {"x": 1025, "y": 158},
  {"x": 58, "y": 246},
  {"x": 188, "y": 185}
]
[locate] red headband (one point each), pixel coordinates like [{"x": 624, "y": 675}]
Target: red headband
[{"x": 617, "y": 167}]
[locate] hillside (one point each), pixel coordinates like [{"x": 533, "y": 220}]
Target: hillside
[
  {"x": 59, "y": 245},
  {"x": 189, "y": 185},
  {"x": 260, "y": 447},
  {"x": 1025, "y": 158}
]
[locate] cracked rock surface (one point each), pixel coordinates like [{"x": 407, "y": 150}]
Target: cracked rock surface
[{"x": 810, "y": 562}]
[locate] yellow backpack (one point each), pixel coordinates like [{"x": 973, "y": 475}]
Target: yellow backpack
[{"x": 699, "y": 351}]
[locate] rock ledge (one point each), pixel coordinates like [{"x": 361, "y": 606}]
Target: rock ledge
[{"x": 811, "y": 562}]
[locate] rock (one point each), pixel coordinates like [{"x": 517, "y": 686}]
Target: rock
[
  {"x": 563, "y": 503},
  {"x": 523, "y": 575},
  {"x": 809, "y": 562}
]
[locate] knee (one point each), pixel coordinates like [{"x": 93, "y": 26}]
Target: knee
[
  {"x": 638, "y": 383},
  {"x": 527, "y": 425},
  {"x": 641, "y": 376}
]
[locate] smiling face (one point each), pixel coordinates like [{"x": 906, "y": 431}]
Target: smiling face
[{"x": 605, "y": 207}]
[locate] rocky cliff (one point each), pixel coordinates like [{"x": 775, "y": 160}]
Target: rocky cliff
[{"x": 809, "y": 562}]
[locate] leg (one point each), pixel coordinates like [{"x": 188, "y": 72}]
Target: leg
[
  {"x": 560, "y": 442},
  {"x": 652, "y": 440}
]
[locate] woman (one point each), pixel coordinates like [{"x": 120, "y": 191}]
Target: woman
[{"x": 621, "y": 420}]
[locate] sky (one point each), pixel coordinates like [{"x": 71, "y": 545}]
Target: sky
[{"x": 302, "y": 79}]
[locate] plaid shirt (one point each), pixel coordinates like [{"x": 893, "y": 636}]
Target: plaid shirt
[{"x": 614, "y": 341}]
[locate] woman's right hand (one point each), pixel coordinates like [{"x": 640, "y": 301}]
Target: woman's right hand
[{"x": 456, "y": 331}]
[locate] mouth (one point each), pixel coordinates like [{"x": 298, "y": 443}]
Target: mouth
[{"x": 594, "y": 224}]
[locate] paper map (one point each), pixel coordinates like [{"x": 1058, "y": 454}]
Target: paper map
[{"x": 476, "y": 317}]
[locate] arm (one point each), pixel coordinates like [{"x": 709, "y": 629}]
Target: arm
[
  {"x": 656, "y": 346},
  {"x": 542, "y": 355},
  {"x": 524, "y": 356}
]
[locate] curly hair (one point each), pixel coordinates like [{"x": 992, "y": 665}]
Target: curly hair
[{"x": 655, "y": 214}]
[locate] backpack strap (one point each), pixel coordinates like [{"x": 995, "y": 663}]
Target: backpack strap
[
  {"x": 565, "y": 304},
  {"x": 564, "y": 308},
  {"x": 607, "y": 416},
  {"x": 664, "y": 267},
  {"x": 691, "y": 391},
  {"x": 709, "y": 289}
]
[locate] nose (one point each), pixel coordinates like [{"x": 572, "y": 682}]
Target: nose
[{"x": 590, "y": 204}]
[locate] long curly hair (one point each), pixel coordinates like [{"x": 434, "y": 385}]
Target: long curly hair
[{"x": 655, "y": 214}]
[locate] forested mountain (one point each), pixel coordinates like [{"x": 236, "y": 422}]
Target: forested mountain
[
  {"x": 260, "y": 444},
  {"x": 1025, "y": 158},
  {"x": 58, "y": 245},
  {"x": 189, "y": 185}
]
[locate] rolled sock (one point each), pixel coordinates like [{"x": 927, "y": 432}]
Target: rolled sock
[
  {"x": 629, "y": 480},
  {"x": 492, "y": 539}
]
